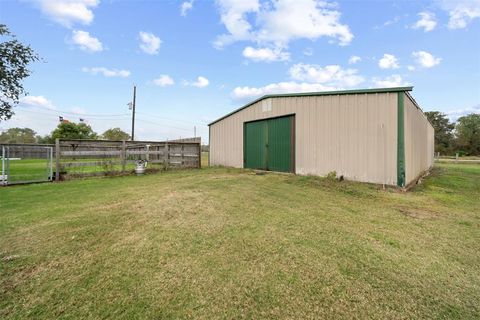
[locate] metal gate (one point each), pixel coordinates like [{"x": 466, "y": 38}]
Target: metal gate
[{"x": 25, "y": 164}]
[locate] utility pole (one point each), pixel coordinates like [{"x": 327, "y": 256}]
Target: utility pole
[
  {"x": 133, "y": 112},
  {"x": 194, "y": 131}
]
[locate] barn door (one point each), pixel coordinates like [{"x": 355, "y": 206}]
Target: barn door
[
  {"x": 269, "y": 144},
  {"x": 255, "y": 153}
]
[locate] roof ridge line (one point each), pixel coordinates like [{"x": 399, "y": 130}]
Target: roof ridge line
[{"x": 317, "y": 93}]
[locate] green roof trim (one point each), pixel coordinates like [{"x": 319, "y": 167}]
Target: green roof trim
[
  {"x": 320, "y": 93},
  {"x": 401, "y": 140}
]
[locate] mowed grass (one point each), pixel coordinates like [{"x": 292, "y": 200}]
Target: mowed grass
[
  {"x": 225, "y": 243},
  {"x": 28, "y": 170}
]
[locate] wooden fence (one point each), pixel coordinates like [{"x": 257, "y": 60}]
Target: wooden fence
[{"x": 75, "y": 158}]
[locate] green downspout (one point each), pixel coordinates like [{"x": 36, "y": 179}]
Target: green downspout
[
  {"x": 400, "y": 140},
  {"x": 209, "y": 145}
]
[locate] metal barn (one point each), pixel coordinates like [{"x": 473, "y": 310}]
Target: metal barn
[{"x": 372, "y": 135}]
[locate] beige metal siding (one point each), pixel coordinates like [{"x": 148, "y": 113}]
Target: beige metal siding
[
  {"x": 354, "y": 135},
  {"x": 419, "y": 144}
]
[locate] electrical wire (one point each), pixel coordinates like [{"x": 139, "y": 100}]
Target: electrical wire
[
  {"x": 75, "y": 113},
  {"x": 169, "y": 119}
]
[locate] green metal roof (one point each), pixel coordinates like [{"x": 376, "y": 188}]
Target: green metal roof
[{"x": 321, "y": 93}]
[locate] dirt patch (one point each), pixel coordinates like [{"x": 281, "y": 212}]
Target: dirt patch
[{"x": 418, "y": 213}]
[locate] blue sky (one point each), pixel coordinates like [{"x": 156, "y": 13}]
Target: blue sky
[{"x": 194, "y": 61}]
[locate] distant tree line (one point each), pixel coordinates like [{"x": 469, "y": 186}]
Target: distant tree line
[
  {"x": 65, "y": 130},
  {"x": 461, "y": 137}
]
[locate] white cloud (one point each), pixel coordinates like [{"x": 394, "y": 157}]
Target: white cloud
[
  {"x": 308, "y": 51},
  {"x": 201, "y": 82},
  {"x": 392, "y": 21},
  {"x": 164, "y": 80},
  {"x": 265, "y": 54},
  {"x": 78, "y": 110},
  {"x": 308, "y": 78},
  {"x": 457, "y": 113},
  {"x": 279, "y": 22},
  {"x": 86, "y": 42},
  {"x": 37, "y": 101},
  {"x": 461, "y": 12},
  {"x": 427, "y": 21},
  {"x": 354, "y": 59},
  {"x": 425, "y": 59},
  {"x": 411, "y": 68},
  {"x": 391, "y": 81},
  {"x": 233, "y": 15},
  {"x": 68, "y": 12},
  {"x": 389, "y": 61},
  {"x": 281, "y": 87},
  {"x": 332, "y": 75},
  {"x": 149, "y": 43},
  {"x": 185, "y": 7},
  {"x": 107, "y": 72}
]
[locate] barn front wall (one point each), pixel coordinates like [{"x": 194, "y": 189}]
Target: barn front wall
[{"x": 352, "y": 134}]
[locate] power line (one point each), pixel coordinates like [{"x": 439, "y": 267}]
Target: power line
[
  {"x": 177, "y": 120},
  {"x": 76, "y": 113},
  {"x": 163, "y": 125},
  {"x": 55, "y": 115}
]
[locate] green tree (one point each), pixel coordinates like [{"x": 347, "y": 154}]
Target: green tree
[
  {"x": 115, "y": 134},
  {"x": 444, "y": 139},
  {"x": 14, "y": 59},
  {"x": 467, "y": 132},
  {"x": 72, "y": 130},
  {"x": 46, "y": 139},
  {"x": 18, "y": 135}
]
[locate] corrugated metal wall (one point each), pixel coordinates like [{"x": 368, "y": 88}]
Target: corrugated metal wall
[
  {"x": 419, "y": 141},
  {"x": 354, "y": 135}
]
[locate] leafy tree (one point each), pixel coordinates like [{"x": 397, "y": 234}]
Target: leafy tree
[
  {"x": 18, "y": 135},
  {"x": 467, "y": 132},
  {"x": 14, "y": 59},
  {"x": 115, "y": 134},
  {"x": 46, "y": 139},
  {"x": 72, "y": 130},
  {"x": 444, "y": 138}
]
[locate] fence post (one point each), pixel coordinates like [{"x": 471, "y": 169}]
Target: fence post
[
  {"x": 3, "y": 166},
  {"x": 57, "y": 160},
  {"x": 147, "y": 155},
  {"x": 199, "y": 155},
  {"x": 183, "y": 155},
  {"x": 166, "y": 155},
  {"x": 123, "y": 155},
  {"x": 456, "y": 157}
]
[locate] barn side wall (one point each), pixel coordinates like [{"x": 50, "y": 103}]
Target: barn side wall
[
  {"x": 419, "y": 141},
  {"x": 354, "y": 135}
]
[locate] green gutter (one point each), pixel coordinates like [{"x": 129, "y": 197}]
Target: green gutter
[
  {"x": 400, "y": 140},
  {"x": 322, "y": 93}
]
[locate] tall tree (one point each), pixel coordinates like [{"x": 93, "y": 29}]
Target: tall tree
[
  {"x": 467, "y": 132},
  {"x": 14, "y": 60},
  {"x": 18, "y": 135},
  {"x": 444, "y": 138},
  {"x": 71, "y": 130},
  {"x": 115, "y": 134}
]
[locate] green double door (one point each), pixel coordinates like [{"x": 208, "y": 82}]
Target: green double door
[{"x": 269, "y": 144}]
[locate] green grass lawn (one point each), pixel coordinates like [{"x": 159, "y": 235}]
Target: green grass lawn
[
  {"x": 29, "y": 170},
  {"x": 225, "y": 243},
  {"x": 38, "y": 169}
]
